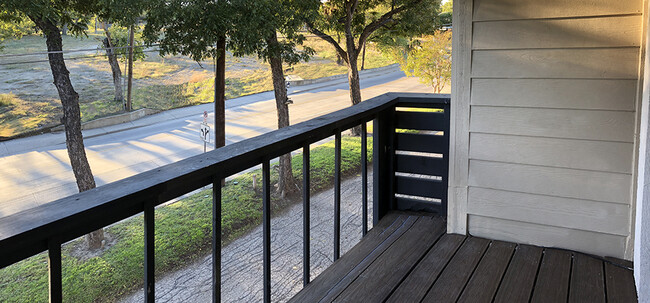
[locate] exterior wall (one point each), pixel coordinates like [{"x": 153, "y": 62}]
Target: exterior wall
[
  {"x": 548, "y": 90},
  {"x": 642, "y": 226}
]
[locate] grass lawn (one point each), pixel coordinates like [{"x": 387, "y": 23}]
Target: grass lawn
[
  {"x": 183, "y": 234},
  {"x": 159, "y": 83}
]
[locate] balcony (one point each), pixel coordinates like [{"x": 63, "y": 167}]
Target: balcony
[{"x": 406, "y": 257}]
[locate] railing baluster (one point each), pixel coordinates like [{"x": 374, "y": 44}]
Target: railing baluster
[
  {"x": 337, "y": 195},
  {"x": 149, "y": 253},
  {"x": 55, "y": 275},
  {"x": 364, "y": 178},
  {"x": 305, "y": 212},
  {"x": 266, "y": 228},
  {"x": 216, "y": 240}
]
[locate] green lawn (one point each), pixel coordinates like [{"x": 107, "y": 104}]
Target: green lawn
[{"x": 183, "y": 234}]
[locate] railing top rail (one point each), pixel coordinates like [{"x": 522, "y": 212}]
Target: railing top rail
[{"x": 28, "y": 232}]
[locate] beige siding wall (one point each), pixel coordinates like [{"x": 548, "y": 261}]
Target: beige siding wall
[{"x": 552, "y": 117}]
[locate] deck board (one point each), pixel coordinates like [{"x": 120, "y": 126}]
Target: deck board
[
  {"x": 517, "y": 284},
  {"x": 408, "y": 257},
  {"x": 377, "y": 282},
  {"x": 620, "y": 284},
  {"x": 552, "y": 283},
  {"x": 452, "y": 280},
  {"x": 485, "y": 281},
  {"x": 587, "y": 283},
  {"x": 393, "y": 225},
  {"x": 416, "y": 285}
]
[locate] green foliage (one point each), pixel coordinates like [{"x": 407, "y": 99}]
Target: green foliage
[
  {"x": 183, "y": 233},
  {"x": 431, "y": 60},
  {"x": 75, "y": 14},
  {"x": 447, "y": 7},
  {"x": 257, "y": 23},
  {"x": 15, "y": 27},
  {"x": 190, "y": 28},
  {"x": 120, "y": 41}
]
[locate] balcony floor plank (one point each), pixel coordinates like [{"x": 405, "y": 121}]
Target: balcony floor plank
[
  {"x": 376, "y": 282},
  {"x": 552, "y": 283},
  {"x": 346, "y": 268},
  {"x": 408, "y": 257}
]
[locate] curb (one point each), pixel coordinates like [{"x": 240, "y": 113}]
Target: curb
[{"x": 112, "y": 120}]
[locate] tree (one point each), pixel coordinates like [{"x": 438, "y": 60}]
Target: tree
[
  {"x": 116, "y": 45},
  {"x": 197, "y": 29},
  {"x": 360, "y": 19},
  {"x": 48, "y": 16},
  {"x": 258, "y": 24},
  {"x": 15, "y": 26},
  {"x": 431, "y": 60}
]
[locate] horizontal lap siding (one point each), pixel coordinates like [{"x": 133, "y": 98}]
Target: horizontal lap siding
[
  {"x": 552, "y": 121},
  {"x": 545, "y": 235},
  {"x": 610, "y": 63}
]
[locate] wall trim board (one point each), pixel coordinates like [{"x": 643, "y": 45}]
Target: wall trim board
[{"x": 460, "y": 116}]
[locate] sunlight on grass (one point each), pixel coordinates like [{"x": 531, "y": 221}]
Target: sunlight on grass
[
  {"x": 18, "y": 116},
  {"x": 146, "y": 69}
]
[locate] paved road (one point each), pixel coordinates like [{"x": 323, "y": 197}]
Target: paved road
[{"x": 36, "y": 170}]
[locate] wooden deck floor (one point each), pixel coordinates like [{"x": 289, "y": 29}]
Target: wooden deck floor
[{"x": 410, "y": 258}]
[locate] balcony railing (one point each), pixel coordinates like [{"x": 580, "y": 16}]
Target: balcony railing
[{"x": 410, "y": 150}]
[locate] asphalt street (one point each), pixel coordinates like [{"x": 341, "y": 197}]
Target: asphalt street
[{"x": 36, "y": 170}]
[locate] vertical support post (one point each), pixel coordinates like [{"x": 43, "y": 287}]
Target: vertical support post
[
  {"x": 364, "y": 178},
  {"x": 337, "y": 195},
  {"x": 383, "y": 173},
  {"x": 55, "y": 272},
  {"x": 266, "y": 228},
  {"x": 305, "y": 219},
  {"x": 216, "y": 239},
  {"x": 149, "y": 253},
  {"x": 445, "y": 175}
]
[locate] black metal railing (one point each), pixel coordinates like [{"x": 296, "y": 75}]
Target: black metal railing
[{"x": 410, "y": 150}]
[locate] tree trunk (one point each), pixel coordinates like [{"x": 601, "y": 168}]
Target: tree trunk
[
  {"x": 339, "y": 59},
  {"x": 353, "y": 70},
  {"x": 115, "y": 66},
  {"x": 129, "y": 85},
  {"x": 71, "y": 116},
  {"x": 363, "y": 58},
  {"x": 220, "y": 95},
  {"x": 286, "y": 181}
]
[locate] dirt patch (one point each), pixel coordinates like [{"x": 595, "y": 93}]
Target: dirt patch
[{"x": 79, "y": 248}]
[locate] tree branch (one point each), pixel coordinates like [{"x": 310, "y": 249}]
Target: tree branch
[
  {"x": 373, "y": 26},
  {"x": 328, "y": 38},
  {"x": 355, "y": 3}
]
